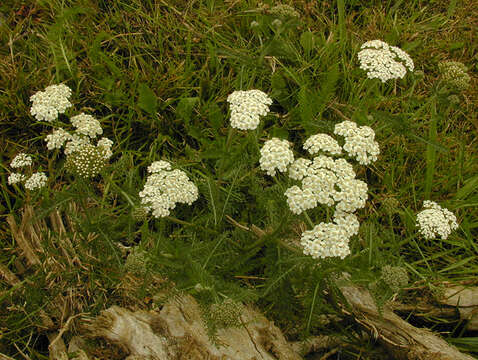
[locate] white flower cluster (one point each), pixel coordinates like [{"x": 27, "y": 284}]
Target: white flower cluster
[
  {"x": 165, "y": 187},
  {"x": 86, "y": 125},
  {"x": 359, "y": 141},
  {"x": 384, "y": 62},
  {"x": 35, "y": 181},
  {"x": 247, "y": 107},
  {"x": 299, "y": 168},
  {"x": 276, "y": 155},
  {"x": 46, "y": 105},
  {"x": 21, "y": 160},
  {"x": 16, "y": 178},
  {"x": 330, "y": 239},
  {"x": 329, "y": 182},
  {"x": 435, "y": 221},
  {"x": 87, "y": 128},
  {"x": 322, "y": 142}
]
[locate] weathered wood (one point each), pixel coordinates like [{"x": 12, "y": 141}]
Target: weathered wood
[
  {"x": 403, "y": 340},
  {"x": 178, "y": 332},
  {"x": 466, "y": 300}
]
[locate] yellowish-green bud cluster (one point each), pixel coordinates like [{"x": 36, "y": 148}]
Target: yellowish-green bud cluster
[
  {"x": 390, "y": 205},
  {"x": 226, "y": 314},
  {"x": 284, "y": 11},
  {"x": 454, "y": 75},
  {"x": 136, "y": 261},
  {"x": 87, "y": 161},
  {"x": 395, "y": 277},
  {"x": 139, "y": 213}
]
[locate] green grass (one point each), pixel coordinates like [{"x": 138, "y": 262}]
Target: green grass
[{"x": 157, "y": 75}]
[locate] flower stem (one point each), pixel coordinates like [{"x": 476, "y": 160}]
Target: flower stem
[{"x": 309, "y": 220}]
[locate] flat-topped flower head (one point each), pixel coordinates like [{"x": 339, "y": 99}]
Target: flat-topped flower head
[
  {"x": 352, "y": 195},
  {"x": 36, "y": 181},
  {"x": 165, "y": 187},
  {"x": 395, "y": 277},
  {"x": 276, "y": 155},
  {"x": 326, "y": 240},
  {"x": 105, "y": 144},
  {"x": 299, "y": 168},
  {"x": 435, "y": 221},
  {"x": 384, "y": 62},
  {"x": 86, "y": 125},
  {"x": 57, "y": 139},
  {"x": 157, "y": 166},
  {"x": 75, "y": 144},
  {"x": 328, "y": 182},
  {"x": 16, "y": 178},
  {"x": 300, "y": 200},
  {"x": 247, "y": 107},
  {"x": 322, "y": 142},
  {"x": 21, "y": 160},
  {"x": 46, "y": 105},
  {"x": 359, "y": 141}
]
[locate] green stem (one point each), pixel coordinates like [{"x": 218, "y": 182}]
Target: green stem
[
  {"x": 431, "y": 151},
  {"x": 185, "y": 223},
  {"x": 309, "y": 220}
]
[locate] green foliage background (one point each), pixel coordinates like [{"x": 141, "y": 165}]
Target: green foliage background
[{"x": 157, "y": 75}]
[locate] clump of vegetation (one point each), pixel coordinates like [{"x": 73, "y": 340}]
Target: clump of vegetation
[{"x": 246, "y": 152}]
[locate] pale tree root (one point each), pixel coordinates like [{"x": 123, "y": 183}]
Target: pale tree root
[
  {"x": 466, "y": 301},
  {"x": 402, "y": 340},
  {"x": 178, "y": 332}
]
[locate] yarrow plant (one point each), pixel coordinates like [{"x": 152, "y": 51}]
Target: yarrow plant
[
  {"x": 34, "y": 181},
  {"x": 165, "y": 188},
  {"x": 325, "y": 181},
  {"x": 435, "y": 221},
  {"x": 247, "y": 107},
  {"x": 384, "y": 62},
  {"x": 84, "y": 159}
]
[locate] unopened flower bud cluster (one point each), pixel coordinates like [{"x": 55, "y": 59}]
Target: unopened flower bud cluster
[
  {"x": 247, "y": 107},
  {"x": 48, "y": 104},
  {"x": 435, "y": 221},
  {"x": 395, "y": 277},
  {"x": 384, "y": 62},
  {"x": 165, "y": 188},
  {"x": 284, "y": 11},
  {"x": 87, "y": 161},
  {"x": 454, "y": 75},
  {"x": 35, "y": 181},
  {"x": 137, "y": 261},
  {"x": 226, "y": 314}
]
